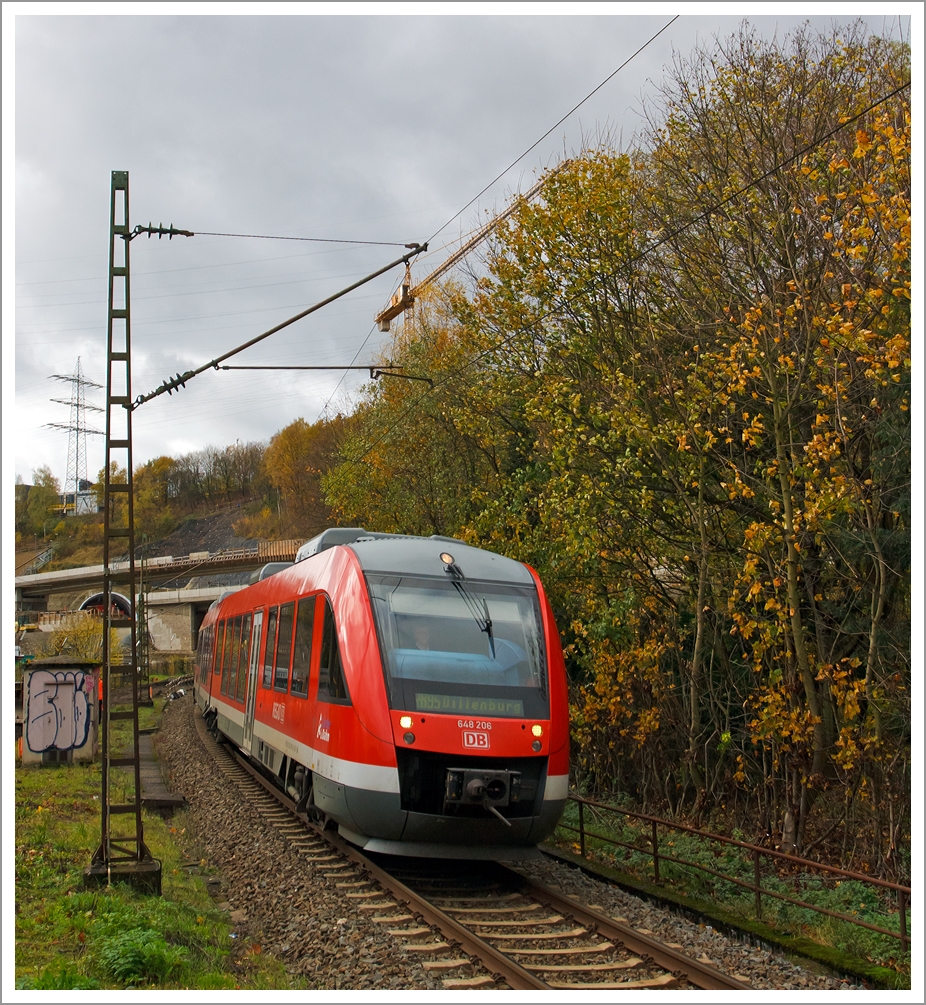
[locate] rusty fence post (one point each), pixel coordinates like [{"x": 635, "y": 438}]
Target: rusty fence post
[
  {"x": 582, "y": 828},
  {"x": 757, "y": 881},
  {"x": 655, "y": 840}
]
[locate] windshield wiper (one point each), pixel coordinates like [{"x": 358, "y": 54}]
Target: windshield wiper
[{"x": 481, "y": 616}]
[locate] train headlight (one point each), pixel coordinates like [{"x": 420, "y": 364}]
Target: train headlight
[
  {"x": 406, "y": 722},
  {"x": 537, "y": 730}
]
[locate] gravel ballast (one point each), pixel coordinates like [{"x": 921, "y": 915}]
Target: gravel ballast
[
  {"x": 277, "y": 899},
  {"x": 752, "y": 965},
  {"x": 274, "y": 897}
]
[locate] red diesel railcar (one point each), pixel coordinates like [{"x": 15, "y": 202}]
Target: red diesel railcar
[{"x": 410, "y": 689}]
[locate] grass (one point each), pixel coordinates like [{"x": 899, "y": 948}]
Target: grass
[
  {"x": 114, "y": 937},
  {"x": 854, "y": 949}
]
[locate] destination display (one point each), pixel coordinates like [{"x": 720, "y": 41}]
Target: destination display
[{"x": 469, "y": 705}]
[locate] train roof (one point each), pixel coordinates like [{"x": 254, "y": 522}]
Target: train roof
[{"x": 409, "y": 555}]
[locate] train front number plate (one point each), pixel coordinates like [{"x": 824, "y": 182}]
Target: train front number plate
[{"x": 475, "y": 739}]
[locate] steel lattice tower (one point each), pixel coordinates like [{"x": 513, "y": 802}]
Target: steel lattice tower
[{"x": 77, "y": 430}]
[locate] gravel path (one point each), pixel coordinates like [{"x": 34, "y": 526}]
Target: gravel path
[{"x": 276, "y": 898}]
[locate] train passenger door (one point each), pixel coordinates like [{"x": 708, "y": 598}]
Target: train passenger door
[{"x": 251, "y": 698}]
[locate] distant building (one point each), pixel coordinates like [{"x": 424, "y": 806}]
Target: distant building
[{"x": 84, "y": 502}]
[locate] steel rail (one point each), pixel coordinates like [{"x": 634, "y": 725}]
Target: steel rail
[
  {"x": 768, "y": 852},
  {"x": 701, "y": 974},
  {"x": 764, "y": 890},
  {"x": 495, "y": 961}
]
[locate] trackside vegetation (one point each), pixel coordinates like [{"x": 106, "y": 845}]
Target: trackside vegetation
[
  {"x": 69, "y": 938},
  {"x": 678, "y": 385},
  {"x": 876, "y": 958}
]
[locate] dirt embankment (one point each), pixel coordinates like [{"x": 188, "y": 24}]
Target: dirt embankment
[{"x": 207, "y": 533}]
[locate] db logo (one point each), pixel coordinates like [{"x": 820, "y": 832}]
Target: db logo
[{"x": 474, "y": 738}]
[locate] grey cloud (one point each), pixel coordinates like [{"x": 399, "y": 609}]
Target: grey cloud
[{"x": 370, "y": 127}]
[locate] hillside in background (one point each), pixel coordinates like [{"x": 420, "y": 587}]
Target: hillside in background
[
  {"x": 210, "y": 532},
  {"x": 208, "y": 500}
]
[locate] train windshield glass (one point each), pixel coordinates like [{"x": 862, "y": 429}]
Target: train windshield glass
[{"x": 461, "y": 647}]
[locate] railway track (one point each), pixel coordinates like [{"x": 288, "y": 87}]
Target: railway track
[{"x": 487, "y": 926}]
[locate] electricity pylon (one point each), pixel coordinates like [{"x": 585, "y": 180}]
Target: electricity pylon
[{"x": 78, "y": 430}]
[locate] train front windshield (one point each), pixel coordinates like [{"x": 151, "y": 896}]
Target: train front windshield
[{"x": 461, "y": 647}]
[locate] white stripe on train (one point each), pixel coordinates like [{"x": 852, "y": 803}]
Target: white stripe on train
[{"x": 355, "y": 774}]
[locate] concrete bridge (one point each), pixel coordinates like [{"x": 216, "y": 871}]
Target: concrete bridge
[{"x": 51, "y": 601}]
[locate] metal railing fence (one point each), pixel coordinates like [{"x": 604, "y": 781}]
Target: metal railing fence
[{"x": 757, "y": 854}]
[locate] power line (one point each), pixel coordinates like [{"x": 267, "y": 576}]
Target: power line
[
  {"x": 341, "y": 381},
  {"x": 555, "y": 125},
  {"x": 631, "y": 261},
  {"x": 174, "y": 320},
  {"x": 377, "y": 370},
  {"x": 319, "y": 240},
  {"x": 185, "y": 268},
  {"x": 234, "y": 288}
]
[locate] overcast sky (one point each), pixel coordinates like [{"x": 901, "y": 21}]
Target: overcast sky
[{"x": 361, "y": 127}]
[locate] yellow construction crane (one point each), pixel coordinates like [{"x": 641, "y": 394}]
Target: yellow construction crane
[{"x": 403, "y": 300}]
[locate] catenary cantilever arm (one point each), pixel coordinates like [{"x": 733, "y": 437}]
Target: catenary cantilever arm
[{"x": 175, "y": 383}]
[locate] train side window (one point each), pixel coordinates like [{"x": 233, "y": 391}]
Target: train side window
[
  {"x": 331, "y": 684},
  {"x": 284, "y": 648},
  {"x": 210, "y": 649},
  {"x": 235, "y": 628},
  {"x": 270, "y": 649},
  {"x": 244, "y": 660},
  {"x": 302, "y": 645},
  {"x": 219, "y": 645},
  {"x": 230, "y": 662},
  {"x": 202, "y": 647},
  {"x": 236, "y": 657},
  {"x": 227, "y": 653}
]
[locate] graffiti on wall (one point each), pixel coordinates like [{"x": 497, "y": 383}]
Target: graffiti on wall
[{"x": 59, "y": 709}]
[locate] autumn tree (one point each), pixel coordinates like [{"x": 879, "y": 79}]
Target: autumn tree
[
  {"x": 43, "y": 502},
  {"x": 678, "y": 385},
  {"x": 293, "y": 464},
  {"x": 154, "y": 499}
]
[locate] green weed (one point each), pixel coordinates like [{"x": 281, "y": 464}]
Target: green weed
[
  {"x": 68, "y": 937},
  {"x": 141, "y": 955},
  {"x": 60, "y": 977}
]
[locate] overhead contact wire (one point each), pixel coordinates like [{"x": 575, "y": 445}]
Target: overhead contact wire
[
  {"x": 343, "y": 375},
  {"x": 319, "y": 240},
  {"x": 555, "y": 125},
  {"x": 175, "y": 383}
]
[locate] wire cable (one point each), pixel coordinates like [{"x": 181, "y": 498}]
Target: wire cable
[
  {"x": 175, "y": 383},
  {"x": 343, "y": 375},
  {"x": 555, "y": 125},
  {"x": 320, "y": 240}
]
